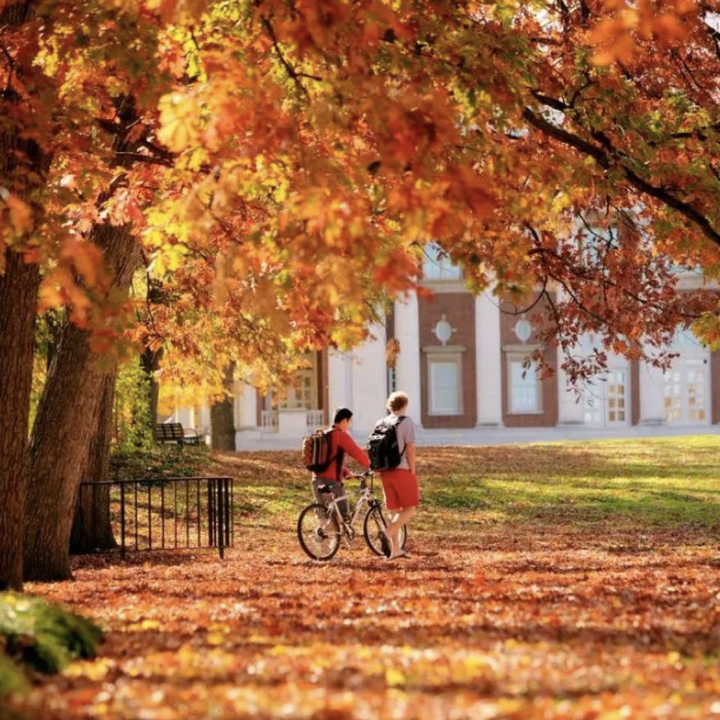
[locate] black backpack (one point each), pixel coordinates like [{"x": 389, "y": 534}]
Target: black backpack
[{"x": 383, "y": 446}]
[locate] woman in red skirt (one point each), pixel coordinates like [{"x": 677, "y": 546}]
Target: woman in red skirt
[{"x": 400, "y": 484}]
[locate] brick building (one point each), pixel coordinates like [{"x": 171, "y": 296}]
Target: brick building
[{"x": 462, "y": 364}]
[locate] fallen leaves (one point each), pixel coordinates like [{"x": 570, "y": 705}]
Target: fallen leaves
[{"x": 556, "y": 616}]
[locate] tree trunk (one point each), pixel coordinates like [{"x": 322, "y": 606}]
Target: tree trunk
[
  {"x": 18, "y": 307},
  {"x": 23, "y": 168},
  {"x": 67, "y": 421},
  {"x": 92, "y": 529},
  {"x": 150, "y": 362},
  {"x": 222, "y": 416}
]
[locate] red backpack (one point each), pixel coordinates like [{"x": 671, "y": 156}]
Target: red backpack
[{"x": 316, "y": 449}]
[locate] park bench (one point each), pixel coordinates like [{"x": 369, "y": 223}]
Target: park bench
[{"x": 175, "y": 433}]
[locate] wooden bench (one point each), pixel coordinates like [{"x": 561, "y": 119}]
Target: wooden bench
[{"x": 174, "y": 433}]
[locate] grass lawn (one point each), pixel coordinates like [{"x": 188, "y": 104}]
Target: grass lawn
[{"x": 565, "y": 580}]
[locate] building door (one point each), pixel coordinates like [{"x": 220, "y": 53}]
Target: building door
[
  {"x": 607, "y": 404},
  {"x": 686, "y": 392}
]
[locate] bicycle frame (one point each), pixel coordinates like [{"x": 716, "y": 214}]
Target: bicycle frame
[{"x": 367, "y": 497}]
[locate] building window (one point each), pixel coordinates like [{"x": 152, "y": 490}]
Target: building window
[
  {"x": 686, "y": 392},
  {"x": 392, "y": 380},
  {"x": 525, "y": 388},
  {"x": 302, "y": 394},
  {"x": 438, "y": 266},
  {"x": 445, "y": 375}
]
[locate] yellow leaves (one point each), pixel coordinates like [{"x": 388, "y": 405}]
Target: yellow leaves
[
  {"x": 116, "y": 86},
  {"x": 394, "y": 677},
  {"x": 169, "y": 259},
  {"x": 178, "y": 121},
  {"x": 347, "y": 337},
  {"x": 93, "y": 670}
]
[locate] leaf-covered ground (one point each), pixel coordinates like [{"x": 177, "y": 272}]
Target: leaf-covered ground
[{"x": 555, "y": 581}]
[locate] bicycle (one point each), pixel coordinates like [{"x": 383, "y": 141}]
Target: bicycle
[{"x": 321, "y": 526}]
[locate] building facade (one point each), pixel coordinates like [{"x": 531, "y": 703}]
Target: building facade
[{"x": 462, "y": 361}]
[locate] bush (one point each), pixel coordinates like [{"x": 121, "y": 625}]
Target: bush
[
  {"x": 131, "y": 412},
  {"x": 12, "y": 678},
  {"x": 40, "y": 637},
  {"x": 160, "y": 461}
]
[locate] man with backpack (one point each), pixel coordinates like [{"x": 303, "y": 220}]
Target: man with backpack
[
  {"x": 392, "y": 452},
  {"x": 332, "y": 471}
]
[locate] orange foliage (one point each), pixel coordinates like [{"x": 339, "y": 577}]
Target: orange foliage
[{"x": 282, "y": 165}]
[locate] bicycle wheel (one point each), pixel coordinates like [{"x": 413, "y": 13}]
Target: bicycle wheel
[
  {"x": 318, "y": 532},
  {"x": 374, "y": 522}
]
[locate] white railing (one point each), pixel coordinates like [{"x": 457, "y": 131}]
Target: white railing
[
  {"x": 314, "y": 419},
  {"x": 269, "y": 420}
]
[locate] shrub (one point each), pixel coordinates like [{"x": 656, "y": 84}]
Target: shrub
[
  {"x": 131, "y": 412},
  {"x": 161, "y": 461},
  {"x": 40, "y": 637}
]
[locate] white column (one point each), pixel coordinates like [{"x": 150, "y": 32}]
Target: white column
[
  {"x": 407, "y": 367},
  {"x": 203, "y": 423},
  {"x": 571, "y": 410},
  {"x": 369, "y": 382},
  {"x": 245, "y": 407},
  {"x": 339, "y": 381},
  {"x": 652, "y": 395},
  {"x": 246, "y": 426},
  {"x": 488, "y": 360}
]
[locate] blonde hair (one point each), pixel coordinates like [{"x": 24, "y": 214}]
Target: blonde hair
[{"x": 397, "y": 401}]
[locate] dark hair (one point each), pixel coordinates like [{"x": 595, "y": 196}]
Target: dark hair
[{"x": 341, "y": 414}]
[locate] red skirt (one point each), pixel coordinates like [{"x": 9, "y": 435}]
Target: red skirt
[{"x": 401, "y": 489}]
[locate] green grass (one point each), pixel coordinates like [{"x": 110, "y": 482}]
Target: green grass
[
  {"x": 669, "y": 481},
  {"x": 655, "y": 482}
]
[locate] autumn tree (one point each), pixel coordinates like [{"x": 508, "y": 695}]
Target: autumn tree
[{"x": 283, "y": 165}]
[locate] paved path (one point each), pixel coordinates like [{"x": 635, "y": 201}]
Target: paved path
[{"x": 503, "y": 436}]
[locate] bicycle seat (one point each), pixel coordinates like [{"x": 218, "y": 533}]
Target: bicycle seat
[{"x": 324, "y": 488}]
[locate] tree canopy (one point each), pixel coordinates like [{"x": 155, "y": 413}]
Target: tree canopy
[{"x": 282, "y": 160}]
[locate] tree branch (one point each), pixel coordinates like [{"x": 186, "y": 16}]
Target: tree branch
[
  {"x": 289, "y": 69},
  {"x": 149, "y": 159},
  {"x": 608, "y": 156}
]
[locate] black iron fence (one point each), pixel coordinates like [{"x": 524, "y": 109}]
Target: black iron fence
[{"x": 172, "y": 513}]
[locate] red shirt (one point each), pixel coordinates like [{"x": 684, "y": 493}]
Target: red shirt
[{"x": 341, "y": 442}]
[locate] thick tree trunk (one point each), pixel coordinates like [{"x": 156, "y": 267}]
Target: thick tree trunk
[
  {"x": 23, "y": 168},
  {"x": 18, "y": 306},
  {"x": 67, "y": 420},
  {"x": 92, "y": 529},
  {"x": 222, "y": 417}
]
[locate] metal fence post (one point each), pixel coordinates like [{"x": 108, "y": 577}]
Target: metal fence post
[
  {"x": 221, "y": 535},
  {"x": 122, "y": 520}
]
